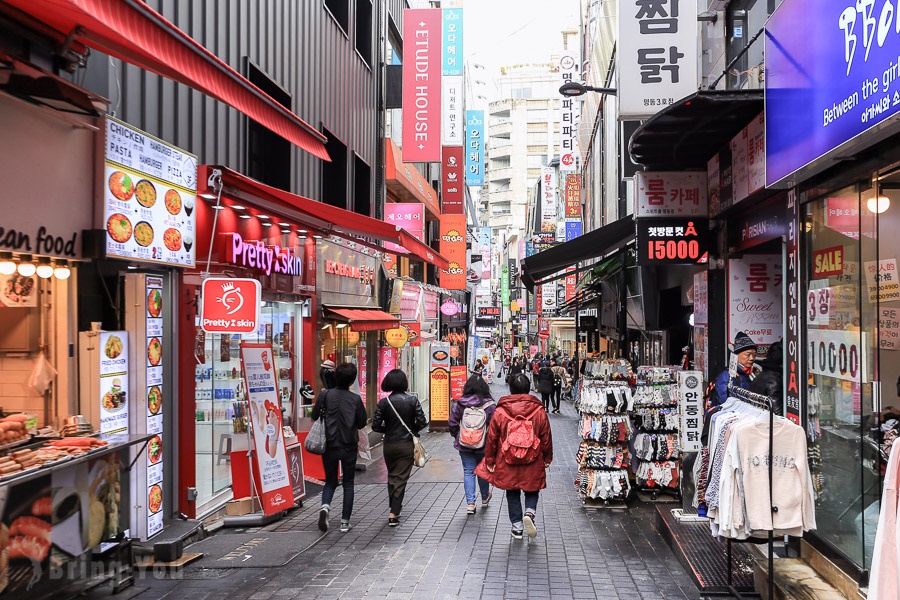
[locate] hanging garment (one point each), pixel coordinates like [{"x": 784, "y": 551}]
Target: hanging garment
[{"x": 884, "y": 581}]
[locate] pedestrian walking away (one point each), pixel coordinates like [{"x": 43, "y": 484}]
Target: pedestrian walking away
[
  {"x": 344, "y": 414},
  {"x": 469, "y": 421},
  {"x": 398, "y": 416},
  {"x": 518, "y": 451},
  {"x": 560, "y": 380},
  {"x": 543, "y": 383}
]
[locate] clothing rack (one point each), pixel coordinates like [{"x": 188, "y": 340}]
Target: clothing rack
[{"x": 763, "y": 402}]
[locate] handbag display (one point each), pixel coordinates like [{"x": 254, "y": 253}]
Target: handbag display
[
  {"x": 420, "y": 455},
  {"x": 315, "y": 442}
]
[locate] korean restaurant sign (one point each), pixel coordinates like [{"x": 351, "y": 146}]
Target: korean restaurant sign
[
  {"x": 453, "y": 247},
  {"x": 406, "y": 215},
  {"x": 670, "y": 194},
  {"x": 452, "y": 114},
  {"x": 423, "y": 31},
  {"x": 672, "y": 241},
  {"x": 657, "y": 48},
  {"x": 754, "y": 294},
  {"x": 573, "y": 196},
  {"x": 569, "y": 115},
  {"x": 475, "y": 148},
  {"x": 149, "y": 191},
  {"x": 842, "y": 71},
  {"x": 452, "y": 192}
]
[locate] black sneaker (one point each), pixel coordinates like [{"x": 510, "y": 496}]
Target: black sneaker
[
  {"x": 517, "y": 534},
  {"x": 323, "y": 518},
  {"x": 393, "y": 521}
]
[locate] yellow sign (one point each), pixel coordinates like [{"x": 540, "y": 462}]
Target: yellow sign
[
  {"x": 440, "y": 395},
  {"x": 352, "y": 338},
  {"x": 396, "y": 338}
]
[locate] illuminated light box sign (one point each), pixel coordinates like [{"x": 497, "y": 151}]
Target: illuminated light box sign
[
  {"x": 259, "y": 255},
  {"x": 672, "y": 241}
]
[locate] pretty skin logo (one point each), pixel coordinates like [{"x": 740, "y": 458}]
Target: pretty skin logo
[{"x": 232, "y": 299}]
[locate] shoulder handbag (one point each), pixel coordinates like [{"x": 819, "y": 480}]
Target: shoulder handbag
[
  {"x": 420, "y": 455},
  {"x": 315, "y": 442}
]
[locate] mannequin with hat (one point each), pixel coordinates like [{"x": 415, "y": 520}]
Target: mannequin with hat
[
  {"x": 744, "y": 349},
  {"x": 326, "y": 374}
]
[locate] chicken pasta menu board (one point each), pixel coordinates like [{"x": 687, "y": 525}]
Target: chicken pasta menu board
[{"x": 149, "y": 191}]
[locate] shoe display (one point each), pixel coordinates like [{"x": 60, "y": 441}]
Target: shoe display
[
  {"x": 393, "y": 521},
  {"x": 470, "y": 509},
  {"x": 517, "y": 534},
  {"x": 530, "y": 529},
  {"x": 323, "y": 518},
  {"x": 346, "y": 526}
]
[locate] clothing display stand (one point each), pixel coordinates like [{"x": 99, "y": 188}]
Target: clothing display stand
[
  {"x": 765, "y": 403},
  {"x": 605, "y": 430},
  {"x": 655, "y": 445}
]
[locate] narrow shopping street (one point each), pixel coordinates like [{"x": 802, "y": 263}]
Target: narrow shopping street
[{"x": 439, "y": 552}]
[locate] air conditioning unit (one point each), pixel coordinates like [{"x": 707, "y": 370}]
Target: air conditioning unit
[{"x": 718, "y": 4}]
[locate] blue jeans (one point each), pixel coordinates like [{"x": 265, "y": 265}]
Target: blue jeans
[
  {"x": 514, "y": 503},
  {"x": 470, "y": 460},
  {"x": 347, "y": 460}
]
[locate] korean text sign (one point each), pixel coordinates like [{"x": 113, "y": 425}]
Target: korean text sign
[
  {"x": 657, "y": 46},
  {"x": 423, "y": 31},
  {"x": 670, "y": 194},
  {"x": 754, "y": 294},
  {"x": 475, "y": 147},
  {"x": 406, "y": 215},
  {"x": 569, "y": 116},
  {"x": 672, "y": 241},
  {"x": 453, "y": 247}
]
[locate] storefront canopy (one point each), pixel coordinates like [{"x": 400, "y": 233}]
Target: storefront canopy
[
  {"x": 685, "y": 135},
  {"x": 590, "y": 245},
  {"x": 364, "y": 319},
  {"x": 134, "y": 32},
  {"x": 407, "y": 184},
  {"x": 318, "y": 215}
]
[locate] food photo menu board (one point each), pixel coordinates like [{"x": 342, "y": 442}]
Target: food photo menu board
[
  {"x": 114, "y": 382},
  {"x": 154, "y": 319},
  {"x": 149, "y": 191}
]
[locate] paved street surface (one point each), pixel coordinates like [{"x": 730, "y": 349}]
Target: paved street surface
[{"x": 440, "y": 552}]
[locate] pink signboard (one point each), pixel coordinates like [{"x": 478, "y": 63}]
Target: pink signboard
[
  {"x": 423, "y": 31},
  {"x": 408, "y": 215},
  {"x": 387, "y": 361}
]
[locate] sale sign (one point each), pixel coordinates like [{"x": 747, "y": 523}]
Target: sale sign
[
  {"x": 257, "y": 363},
  {"x": 230, "y": 305},
  {"x": 837, "y": 354},
  {"x": 423, "y": 32},
  {"x": 828, "y": 262}
]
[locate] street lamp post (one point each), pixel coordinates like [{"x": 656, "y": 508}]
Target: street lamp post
[{"x": 573, "y": 88}]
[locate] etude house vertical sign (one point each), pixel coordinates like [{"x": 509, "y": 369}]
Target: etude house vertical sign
[{"x": 422, "y": 50}]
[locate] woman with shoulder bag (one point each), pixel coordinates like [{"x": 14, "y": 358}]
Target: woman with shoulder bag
[
  {"x": 399, "y": 417},
  {"x": 344, "y": 415}
]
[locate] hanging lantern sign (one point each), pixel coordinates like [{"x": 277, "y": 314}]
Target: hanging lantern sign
[
  {"x": 449, "y": 308},
  {"x": 396, "y": 338},
  {"x": 352, "y": 338}
]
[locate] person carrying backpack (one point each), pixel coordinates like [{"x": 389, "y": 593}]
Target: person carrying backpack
[
  {"x": 469, "y": 420},
  {"x": 518, "y": 451}
]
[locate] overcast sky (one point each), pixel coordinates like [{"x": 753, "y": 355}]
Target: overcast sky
[{"x": 507, "y": 32}]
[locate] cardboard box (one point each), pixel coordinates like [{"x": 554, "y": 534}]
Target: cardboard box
[{"x": 241, "y": 506}]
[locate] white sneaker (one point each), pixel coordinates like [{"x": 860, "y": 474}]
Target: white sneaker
[
  {"x": 530, "y": 529},
  {"x": 346, "y": 526},
  {"x": 323, "y": 518}
]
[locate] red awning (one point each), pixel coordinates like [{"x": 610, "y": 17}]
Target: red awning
[
  {"x": 134, "y": 32},
  {"x": 365, "y": 319},
  {"x": 407, "y": 184},
  {"x": 320, "y": 216}
]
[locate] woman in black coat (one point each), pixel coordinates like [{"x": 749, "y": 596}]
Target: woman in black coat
[{"x": 543, "y": 381}]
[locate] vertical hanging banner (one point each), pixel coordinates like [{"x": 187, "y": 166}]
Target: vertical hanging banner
[
  {"x": 453, "y": 247},
  {"x": 270, "y": 456},
  {"x": 452, "y": 194},
  {"x": 657, "y": 48},
  {"x": 504, "y": 285},
  {"x": 573, "y": 229},
  {"x": 422, "y": 32},
  {"x": 408, "y": 215},
  {"x": 475, "y": 148},
  {"x": 452, "y": 113},
  {"x": 569, "y": 116},
  {"x": 549, "y": 200},
  {"x": 571, "y": 283},
  {"x": 573, "y": 196},
  {"x": 452, "y": 64},
  {"x": 792, "y": 342}
]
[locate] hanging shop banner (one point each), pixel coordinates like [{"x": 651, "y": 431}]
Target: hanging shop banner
[
  {"x": 457, "y": 381},
  {"x": 149, "y": 194},
  {"x": 670, "y": 194},
  {"x": 573, "y": 196},
  {"x": 452, "y": 114},
  {"x": 792, "y": 318},
  {"x": 230, "y": 305},
  {"x": 387, "y": 362},
  {"x": 657, "y": 48},
  {"x": 475, "y": 148},
  {"x": 406, "y": 215},
  {"x": 114, "y": 382},
  {"x": 440, "y": 381},
  {"x": 548, "y": 298},
  {"x": 484, "y": 244},
  {"x": 672, "y": 241},
  {"x": 452, "y": 64},
  {"x": 504, "y": 285},
  {"x": 571, "y": 283},
  {"x": 396, "y": 338},
  {"x": 548, "y": 197},
  {"x": 842, "y": 71},
  {"x": 362, "y": 368},
  {"x": 452, "y": 191},
  {"x": 882, "y": 280},
  {"x": 453, "y": 247},
  {"x": 422, "y": 28},
  {"x": 569, "y": 115},
  {"x": 754, "y": 294},
  {"x": 690, "y": 409},
  {"x": 270, "y": 456},
  {"x": 573, "y": 229}
]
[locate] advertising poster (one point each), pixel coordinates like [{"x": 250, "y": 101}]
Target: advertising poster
[
  {"x": 18, "y": 291},
  {"x": 114, "y": 382},
  {"x": 754, "y": 293},
  {"x": 149, "y": 195},
  {"x": 422, "y": 85},
  {"x": 440, "y": 381},
  {"x": 265, "y": 419},
  {"x": 457, "y": 381},
  {"x": 888, "y": 328},
  {"x": 882, "y": 280},
  {"x": 453, "y": 247},
  {"x": 154, "y": 295}
]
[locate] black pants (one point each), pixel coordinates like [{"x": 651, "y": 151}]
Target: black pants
[
  {"x": 555, "y": 397},
  {"x": 545, "y": 399},
  {"x": 347, "y": 460},
  {"x": 398, "y": 457}
]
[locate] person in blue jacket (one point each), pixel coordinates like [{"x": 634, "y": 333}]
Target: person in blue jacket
[{"x": 745, "y": 349}]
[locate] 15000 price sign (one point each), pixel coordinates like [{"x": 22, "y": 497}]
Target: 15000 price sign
[{"x": 672, "y": 241}]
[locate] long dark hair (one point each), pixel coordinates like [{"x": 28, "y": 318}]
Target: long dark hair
[{"x": 476, "y": 386}]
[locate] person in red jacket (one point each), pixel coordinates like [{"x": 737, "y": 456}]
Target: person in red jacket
[{"x": 529, "y": 478}]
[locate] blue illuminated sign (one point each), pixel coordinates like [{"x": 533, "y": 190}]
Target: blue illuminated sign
[{"x": 475, "y": 148}]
